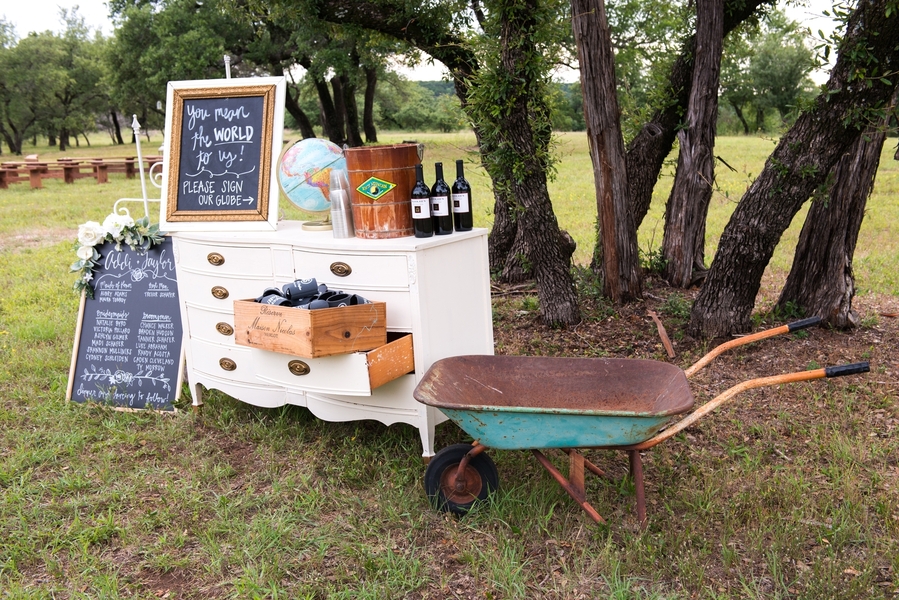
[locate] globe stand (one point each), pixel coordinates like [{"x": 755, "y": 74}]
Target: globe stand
[{"x": 318, "y": 225}]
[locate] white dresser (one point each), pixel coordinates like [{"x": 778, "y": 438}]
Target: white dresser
[{"x": 436, "y": 289}]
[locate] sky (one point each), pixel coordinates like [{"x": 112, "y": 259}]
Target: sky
[{"x": 41, "y": 15}]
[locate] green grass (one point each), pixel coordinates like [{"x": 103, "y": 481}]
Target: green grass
[{"x": 799, "y": 501}]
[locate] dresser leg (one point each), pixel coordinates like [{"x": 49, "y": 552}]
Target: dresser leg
[
  {"x": 197, "y": 393},
  {"x": 426, "y": 431}
]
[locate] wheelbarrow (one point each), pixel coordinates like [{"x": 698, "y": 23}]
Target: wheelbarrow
[{"x": 540, "y": 403}]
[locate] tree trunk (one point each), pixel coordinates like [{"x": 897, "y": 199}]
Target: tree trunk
[
  {"x": 10, "y": 140},
  {"x": 617, "y": 236},
  {"x": 738, "y": 110},
  {"x": 647, "y": 151},
  {"x": 368, "y": 111},
  {"x": 63, "y": 139},
  {"x": 323, "y": 120},
  {"x": 821, "y": 281},
  {"x": 502, "y": 237},
  {"x": 332, "y": 120},
  {"x": 797, "y": 167},
  {"x": 350, "y": 112},
  {"x": 338, "y": 124},
  {"x": 538, "y": 237},
  {"x": 116, "y": 128},
  {"x": 303, "y": 122},
  {"x": 332, "y": 128},
  {"x": 292, "y": 106},
  {"x": 683, "y": 244},
  {"x": 760, "y": 119}
]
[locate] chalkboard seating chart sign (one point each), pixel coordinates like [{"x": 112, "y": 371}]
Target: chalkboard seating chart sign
[
  {"x": 223, "y": 139},
  {"x": 128, "y": 342}
]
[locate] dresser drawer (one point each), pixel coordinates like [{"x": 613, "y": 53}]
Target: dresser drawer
[
  {"x": 225, "y": 260},
  {"x": 209, "y": 325},
  {"x": 226, "y": 362},
  {"x": 219, "y": 292},
  {"x": 354, "y": 374},
  {"x": 353, "y": 271}
]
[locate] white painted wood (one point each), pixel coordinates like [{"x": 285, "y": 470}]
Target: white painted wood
[{"x": 437, "y": 288}]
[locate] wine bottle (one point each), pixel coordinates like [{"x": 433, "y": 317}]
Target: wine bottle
[
  {"x": 461, "y": 200},
  {"x": 440, "y": 209},
  {"x": 421, "y": 206}
]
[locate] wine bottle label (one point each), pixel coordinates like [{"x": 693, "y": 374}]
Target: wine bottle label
[
  {"x": 440, "y": 206},
  {"x": 460, "y": 203},
  {"x": 421, "y": 208}
]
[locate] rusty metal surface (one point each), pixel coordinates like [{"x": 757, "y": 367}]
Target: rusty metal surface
[{"x": 595, "y": 386}]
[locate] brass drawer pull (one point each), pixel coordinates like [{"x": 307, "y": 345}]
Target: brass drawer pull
[
  {"x": 215, "y": 259},
  {"x": 298, "y": 367},
  {"x": 224, "y": 329},
  {"x": 341, "y": 269},
  {"x": 227, "y": 364},
  {"x": 219, "y": 292}
]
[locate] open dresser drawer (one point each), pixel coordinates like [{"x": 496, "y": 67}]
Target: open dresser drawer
[{"x": 355, "y": 374}]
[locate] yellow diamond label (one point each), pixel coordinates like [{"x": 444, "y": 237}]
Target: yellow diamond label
[{"x": 374, "y": 188}]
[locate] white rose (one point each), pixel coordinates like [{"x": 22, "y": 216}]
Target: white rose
[
  {"x": 91, "y": 233},
  {"x": 85, "y": 252},
  {"x": 114, "y": 224}
]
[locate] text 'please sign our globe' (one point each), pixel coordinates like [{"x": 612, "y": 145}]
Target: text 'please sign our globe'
[{"x": 304, "y": 173}]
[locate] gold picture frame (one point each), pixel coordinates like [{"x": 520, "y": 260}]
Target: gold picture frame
[{"x": 223, "y": 138}]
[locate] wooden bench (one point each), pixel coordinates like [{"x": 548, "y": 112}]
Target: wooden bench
[
  {"x": 71, "y": 169},
  {"x": 9, "y": 173}
]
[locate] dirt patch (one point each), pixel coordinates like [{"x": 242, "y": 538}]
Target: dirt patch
[
  {"x": 36, "y": 237},
  {"x": 630, "y": 332}
]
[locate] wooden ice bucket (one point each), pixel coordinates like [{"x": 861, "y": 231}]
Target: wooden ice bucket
[{"x": 381, "y": 182}]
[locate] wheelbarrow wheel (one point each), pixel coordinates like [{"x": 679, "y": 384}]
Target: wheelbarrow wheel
[{"x": 455, "y": 492}]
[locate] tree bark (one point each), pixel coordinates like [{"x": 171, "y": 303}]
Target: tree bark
[
  {"x": 339, "y": 112},
  {"x": 293, "y": 108},
  {"x": 350, "y": 112},
  {"x": 368, "y": 110},
  {"x": 617, "y": 235},
  {"x": 857, "y": 90},
  {"x": 330, "y": 119},
  {"x": 647, "y": 151},
  {"x": 821, "y": 281},
  {"x": 683, "y": 244},
  {"x": 738, "y": 110},
  {"x": 538, "y": 237},
  {"x": 116, "y": 128}
]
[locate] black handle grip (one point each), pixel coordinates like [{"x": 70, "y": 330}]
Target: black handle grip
[
  {"x": 852, "y": 369},
  {"x": 804, "y": 323}
]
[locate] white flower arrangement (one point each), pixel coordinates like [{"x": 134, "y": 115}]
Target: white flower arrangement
[{"x": 119, "y": 229}]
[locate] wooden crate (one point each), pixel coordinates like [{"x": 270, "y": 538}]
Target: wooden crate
[{"x": 310, "y": 333}]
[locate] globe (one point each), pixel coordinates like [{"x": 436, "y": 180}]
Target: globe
[{"x": 304, "y": 173}]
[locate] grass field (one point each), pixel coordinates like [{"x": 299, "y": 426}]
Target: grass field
[{"x": 794, "y": 495}]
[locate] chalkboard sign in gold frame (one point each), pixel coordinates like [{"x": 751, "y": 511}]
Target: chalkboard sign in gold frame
[{"x": 223, "y": 138}]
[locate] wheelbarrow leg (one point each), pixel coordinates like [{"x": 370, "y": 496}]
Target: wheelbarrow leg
[
  {"x": 637, "y": 474},
  {"x": 574, "y": 483},
  {"x": 589, "y": 465}
]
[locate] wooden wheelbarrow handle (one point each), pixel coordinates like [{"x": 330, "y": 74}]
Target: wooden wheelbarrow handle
[
  {"x": 747, "y": 339},
  {"x": 838, "y": 371}
]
